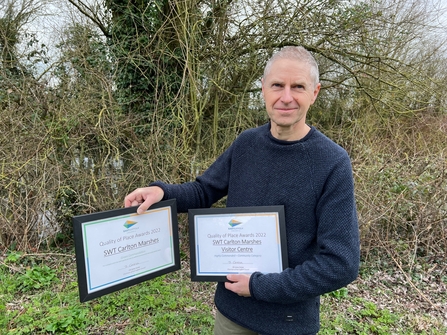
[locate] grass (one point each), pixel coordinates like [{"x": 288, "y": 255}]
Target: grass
[{"x": 39, "y": 295}]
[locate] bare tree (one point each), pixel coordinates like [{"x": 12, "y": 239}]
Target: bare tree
[
  {"x": 157, "y": 89},
  {"x": 14, "y": 17}
]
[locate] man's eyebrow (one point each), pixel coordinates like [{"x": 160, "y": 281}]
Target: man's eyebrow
[
  {"x": 300, "y": 82},
  {"x": 276, "y": 80}
]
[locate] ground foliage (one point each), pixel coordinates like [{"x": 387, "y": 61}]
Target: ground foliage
[{"x": 39, "y": 295}]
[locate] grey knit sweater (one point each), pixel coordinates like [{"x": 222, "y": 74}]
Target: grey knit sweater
[{"x": 312, "y": 178}]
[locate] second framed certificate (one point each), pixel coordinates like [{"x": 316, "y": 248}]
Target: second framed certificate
[{"x": 236, "y": 240}]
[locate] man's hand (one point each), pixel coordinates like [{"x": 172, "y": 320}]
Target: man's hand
[
  {"x": 239, "y": 284},
  {"x": 145, "y": 197}
]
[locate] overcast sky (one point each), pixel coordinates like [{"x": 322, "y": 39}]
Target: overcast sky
[{"x": 56, "y": 14}]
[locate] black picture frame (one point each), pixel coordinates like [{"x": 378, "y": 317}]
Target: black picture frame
[
  {"x": 236, "y": 248},
  {"x": 140, "y": 234}
]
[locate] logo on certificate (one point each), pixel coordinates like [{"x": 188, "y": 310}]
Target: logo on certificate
[
  {"x": 129, "y": 224},
  {"x": 234, "y": 223}
]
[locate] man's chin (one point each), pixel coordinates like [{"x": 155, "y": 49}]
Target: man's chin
[{"x": 284, "y": 123}]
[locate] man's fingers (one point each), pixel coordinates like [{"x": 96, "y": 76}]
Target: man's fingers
[
  {"x": 145, "y": 205},
  {"x": 133, "y": 199},
  {"x": 144, "y": 197},
  {"x": 232, "y": 278},
  {"x": 238, "y": 284}
]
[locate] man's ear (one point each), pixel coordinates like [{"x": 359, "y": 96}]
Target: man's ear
[
  {"x": 316, "y": 91},
  {"x": 262, "y": 86}
]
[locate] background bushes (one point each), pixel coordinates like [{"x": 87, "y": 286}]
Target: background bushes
[{"x": 158, "y": 90}]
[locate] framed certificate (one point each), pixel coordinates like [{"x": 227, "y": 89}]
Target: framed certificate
[
  {"x": 119, "y": 248},
  {"x": 236, "y": 240}
]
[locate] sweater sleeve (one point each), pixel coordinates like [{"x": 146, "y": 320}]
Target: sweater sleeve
[{"x": 336, "y": 260}]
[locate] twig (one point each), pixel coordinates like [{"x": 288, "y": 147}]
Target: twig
[
  {"x": 13, "y": 268},
  {"x": 408, "y": 278}
]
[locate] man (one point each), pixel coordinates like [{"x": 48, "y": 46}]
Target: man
[{"x": 285, "y": 162}]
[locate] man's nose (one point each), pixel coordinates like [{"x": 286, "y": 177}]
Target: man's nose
[{"x": 286, "y": 96}]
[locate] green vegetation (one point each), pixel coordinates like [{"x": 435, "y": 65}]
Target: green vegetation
[
  {"x": 47, "y": 302},
  {"x": 165, "y": 305}
]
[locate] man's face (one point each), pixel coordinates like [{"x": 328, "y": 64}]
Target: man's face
[{"x": 288, "y": 92}]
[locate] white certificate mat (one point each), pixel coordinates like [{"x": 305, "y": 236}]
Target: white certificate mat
[
  {"x": 236, "y": 241},
  {"x": 119, "y": 248}
]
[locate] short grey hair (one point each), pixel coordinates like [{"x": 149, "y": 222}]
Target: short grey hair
[{"x": 299, "y": 54}]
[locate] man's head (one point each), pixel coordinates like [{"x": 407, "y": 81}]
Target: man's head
[
  {"x": 299, "y": 54},
  {"x": 290, "y": 86}
]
